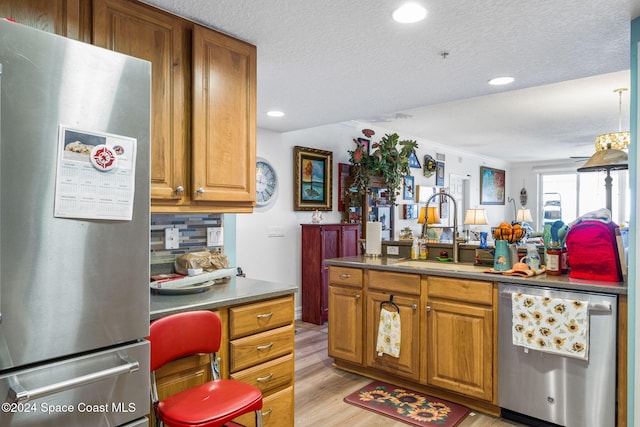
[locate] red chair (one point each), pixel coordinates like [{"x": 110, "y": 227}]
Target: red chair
[{"x": 208, "y": 405}]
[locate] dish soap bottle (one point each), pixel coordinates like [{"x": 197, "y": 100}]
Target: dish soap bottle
[
  {"x": 424, "y": 252},
  {"x": 415, "y": 249}
]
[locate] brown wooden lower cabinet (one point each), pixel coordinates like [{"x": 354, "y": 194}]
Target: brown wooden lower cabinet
[
  {"x": 345, "y": 323},
  {"x": 447, "y": 332},
  {"x": 408, "y": 363},
  {"x": 277, "y": 410}
]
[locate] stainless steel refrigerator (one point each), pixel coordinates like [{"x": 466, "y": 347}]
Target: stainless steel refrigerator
[{"x": 74, "y": 232}]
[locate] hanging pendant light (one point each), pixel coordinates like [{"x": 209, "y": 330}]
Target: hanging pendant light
[
  {"x": 610, "y": 152},
  {"x": 617, "y": 140}
]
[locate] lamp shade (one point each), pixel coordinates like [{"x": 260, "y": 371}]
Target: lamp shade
[
  {"x": 524, "y": 215},
  {"x": 610, "y": 159},
  {"x": 431, "y": 216},
  {"x": 475, "y": 217}
]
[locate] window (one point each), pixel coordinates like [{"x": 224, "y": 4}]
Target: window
[{"x": 566, "y": 196}]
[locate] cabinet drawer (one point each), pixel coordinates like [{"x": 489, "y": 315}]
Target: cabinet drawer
[
  {"x": 277, "y": 411},
  {"x": 345, "y": 276},
  {"x": 259, "y": 348},
  {"x": 261, "y": 316},
  {"x": 474, "y": 291},
  {"x": 394, "y": 282},
  {"x": 268, "y": 376}
]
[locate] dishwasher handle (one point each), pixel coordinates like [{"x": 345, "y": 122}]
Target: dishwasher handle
[{"x": 603, "y": 307}]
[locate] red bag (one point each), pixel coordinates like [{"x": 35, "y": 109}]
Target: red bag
[{"x": 593, "y": 252}]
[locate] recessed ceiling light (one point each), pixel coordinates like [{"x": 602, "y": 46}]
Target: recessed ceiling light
[
  {"x": 275, "y": 113},
  {"x": 501, "y": 81},
  {"x": 409, "y": 13}
]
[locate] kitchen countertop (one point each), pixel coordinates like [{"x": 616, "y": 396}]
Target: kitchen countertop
[
  {"x": 470, "y": 271},
  {"x": 238, "y": 290}
]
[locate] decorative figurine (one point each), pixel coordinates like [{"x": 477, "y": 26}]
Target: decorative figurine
[{"x": 316, "y": 217}]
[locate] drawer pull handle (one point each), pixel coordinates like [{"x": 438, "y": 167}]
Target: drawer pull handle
[
  {"x": 268, "y": 412},
  {"x": 262, "y": 316},
  {"x": 267, "y": 378},
  {"x": 265, "y": 347},
  {"x": 345, "y": 276}
]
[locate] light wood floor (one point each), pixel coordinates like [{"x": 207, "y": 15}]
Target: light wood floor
[{"x": 320, "y": 388}]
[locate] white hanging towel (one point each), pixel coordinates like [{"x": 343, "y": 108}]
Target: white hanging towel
[
  {"x": 552, "y": 325},
  {"x": 389, "y": 333}
]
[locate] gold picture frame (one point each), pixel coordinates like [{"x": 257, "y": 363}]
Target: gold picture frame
[{"x": 312, "y": 179}]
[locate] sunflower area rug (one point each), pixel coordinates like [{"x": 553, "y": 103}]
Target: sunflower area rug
[{"x": 408, "y": 406}]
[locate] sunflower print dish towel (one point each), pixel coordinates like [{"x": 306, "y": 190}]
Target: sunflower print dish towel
[
  {"x": 388, "y": 333},
  {"x": 552, "y": 325}
]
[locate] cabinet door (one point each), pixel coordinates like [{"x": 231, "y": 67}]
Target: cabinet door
[
  {"x": 345, "y": 323},
  {"x": 144, "y": 32},
  {"x": 408, "y": 364},
  {"x": 350, "y": 237},
  {"x": 224, "y": 104},
  {"x": 460, "y": 349},
  {"x": 69, "y": 18}
]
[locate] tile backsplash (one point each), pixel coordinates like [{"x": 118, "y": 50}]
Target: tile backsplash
[{"x": 193, "y": 237}]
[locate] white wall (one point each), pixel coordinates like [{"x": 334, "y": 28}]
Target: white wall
[{"x": 278, "y": 258}]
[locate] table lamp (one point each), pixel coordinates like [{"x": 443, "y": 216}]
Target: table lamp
[
  {"x": 428, "y": 217},
  {"x": 475, "y": 216},
  {"x": 524, "y": 215}
]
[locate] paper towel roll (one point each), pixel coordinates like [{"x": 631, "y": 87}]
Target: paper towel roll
[{"x": 374, "y": 238}]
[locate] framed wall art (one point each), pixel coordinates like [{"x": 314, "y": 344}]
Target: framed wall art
[
  {"x": 312, "y": 179},
  {"x": 410, "y": 211},
  {"x": 344, "y": 170},
  {"x": 408, "y": 189},
  {"x": 491, "y": 186},
  {"x": 440, "y": 174},
  {"x": 444, "y": 206},
  {"x": 413, "y": 161}
]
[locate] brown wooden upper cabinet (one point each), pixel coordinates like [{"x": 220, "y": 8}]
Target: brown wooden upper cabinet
[
  {"x": 203, "y": 106},
  {"x": 160, "y": 38},
  {"x": 224, "y": 117},
  {"x": 203, "y": 96},
  {"x": 69, "y": 18}
]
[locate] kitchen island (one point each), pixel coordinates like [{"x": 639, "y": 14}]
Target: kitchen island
[
  {"x": 257, "y": 342},
  {"x": 449, "y": 324},
  {"x": 476, "y": 272}
]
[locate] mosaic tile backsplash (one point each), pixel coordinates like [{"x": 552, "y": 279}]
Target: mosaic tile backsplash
[{"x": 193, "y": 237}]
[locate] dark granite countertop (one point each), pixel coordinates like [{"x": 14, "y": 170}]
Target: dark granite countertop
[
  {"x": 470, "y": 271},
  {"x": 237, "y": 290}
]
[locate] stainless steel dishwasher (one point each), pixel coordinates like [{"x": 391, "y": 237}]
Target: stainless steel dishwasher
[{"x": 556, "y": 389}]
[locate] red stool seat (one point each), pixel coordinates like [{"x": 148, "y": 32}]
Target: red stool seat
[{"x": 197, "y": 406}]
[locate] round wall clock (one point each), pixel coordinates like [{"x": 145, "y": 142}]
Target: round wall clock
[{"x": 266, "y": 182}]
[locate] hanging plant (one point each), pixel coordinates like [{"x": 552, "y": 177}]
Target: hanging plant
[
  {"x": 389, "y": 159},
  {"x": 361, "y": 162}
]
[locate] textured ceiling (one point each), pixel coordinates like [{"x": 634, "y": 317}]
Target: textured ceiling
[{"x": 331, "y": 61}]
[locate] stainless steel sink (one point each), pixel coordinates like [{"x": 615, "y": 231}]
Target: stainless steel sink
[{"x": 449, "y": 266}]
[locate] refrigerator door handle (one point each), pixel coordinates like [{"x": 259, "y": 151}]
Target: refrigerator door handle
[{"x": 18, "y": 394}]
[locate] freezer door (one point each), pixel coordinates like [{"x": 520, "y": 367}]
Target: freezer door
[
  {"x": 108, "y": 388},
  {"x": 67, "y": 285}
]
